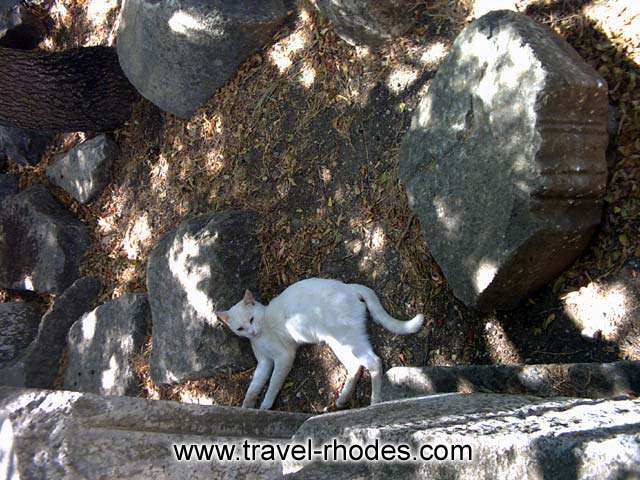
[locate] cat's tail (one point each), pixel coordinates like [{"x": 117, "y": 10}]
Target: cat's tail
[{"x": 380, "y": 315}]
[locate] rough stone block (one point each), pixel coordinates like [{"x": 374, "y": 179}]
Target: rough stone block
[
  {"x": 59, "y": 434},
  {"x": 178, "y": 53},
  {"x": 203, "y": 265},
  {"x": 504, "y": 162},
  {"x": 103, "y": 344},
  {"x": 38, "y": 365},
  {"x": 84, "y": 170},
  {"x": 41, "y": 243},
  {"x": 509, "y": 437},
  {"x": 18, "y": 327}
]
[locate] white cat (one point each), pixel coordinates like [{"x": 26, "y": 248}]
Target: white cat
[{"x": 312, "y": 311}]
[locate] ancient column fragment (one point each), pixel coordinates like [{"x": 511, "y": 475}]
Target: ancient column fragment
[{"x": 505, "y": 160}]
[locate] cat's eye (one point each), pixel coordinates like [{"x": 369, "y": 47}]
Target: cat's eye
[
  {"x": 251, "y": 320},
  {"x": 241, "y": 329}
]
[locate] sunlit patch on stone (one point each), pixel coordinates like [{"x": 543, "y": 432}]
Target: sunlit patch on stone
[
  {"x": 189, "y": 25},
  {"x": 190, "y": 274},
  {"x": 89, "y": 326},
  {"x": 446, "y": 217},
  {"x": 485, "y": 275},
  {"x": 110, "y": 375}
]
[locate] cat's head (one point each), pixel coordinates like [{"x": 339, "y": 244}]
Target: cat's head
[{"x": 245, "y": 317}]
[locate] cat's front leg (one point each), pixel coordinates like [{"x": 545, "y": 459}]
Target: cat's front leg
[
  {"x": 282, "y": 367},
  {"x": 260, "y": 377}
]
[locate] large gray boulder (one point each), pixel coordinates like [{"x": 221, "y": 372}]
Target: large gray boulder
[
  {"x": 178, "y": 53},
  {"x": 362, "y": 22},
  {"x": 504, "y": 162},
  {"x": 18, "y": 327},
  {"x": 63, "y": 435},
  {"x": 586, "y": 380},
  {"x": 38, "y": 365},
  {"x": 204, "y": 265},
  {"x": 23, "y": 146},
  {"x": 491, "y": 437},
  {"x": 41, "y": 243},
  {"x": 102, "y": 346},
  {"x": 84, "y": 170}
]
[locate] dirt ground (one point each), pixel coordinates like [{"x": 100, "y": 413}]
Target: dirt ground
[{"x": 307, "y": 134}]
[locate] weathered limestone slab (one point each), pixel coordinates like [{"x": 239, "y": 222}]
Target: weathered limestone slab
[
  {"x": 586, "y": 380},
  {"x": 102, "y": 346},
  {"x": 509, "y": 436},
  {"x": 84, "y": 170},
  {"x": 60, "y": 434},
  {"x": 41, "y": 243},
  {"x": 504, "y": 162},
  {"x": 178, "y": 53},
  {"x": 38, "y": 365},
  {"x": 203, "y": 265}
]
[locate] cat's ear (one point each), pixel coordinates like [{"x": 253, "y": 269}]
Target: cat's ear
[
  {"x": 249, "y": 298},
  {"x": 223, "y": 316}
]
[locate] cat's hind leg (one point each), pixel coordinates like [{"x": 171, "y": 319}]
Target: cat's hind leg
[
  {"x": 352, "y": 364},
  {"x": 372, "y": 362}
]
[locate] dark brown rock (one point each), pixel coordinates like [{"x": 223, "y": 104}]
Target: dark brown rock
[
  {"x": 505, "y": 160},
  {"x": 73, "y": 90}
]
